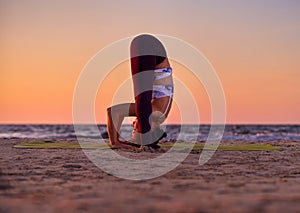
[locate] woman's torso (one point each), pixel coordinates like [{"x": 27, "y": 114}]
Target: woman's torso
[{"x": 162, "y": 104}]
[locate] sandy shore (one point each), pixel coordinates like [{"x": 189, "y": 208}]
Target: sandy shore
[{"x": 65, "y": 180}]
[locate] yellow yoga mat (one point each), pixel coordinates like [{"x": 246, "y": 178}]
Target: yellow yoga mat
[{"x": 65, "y": 145}]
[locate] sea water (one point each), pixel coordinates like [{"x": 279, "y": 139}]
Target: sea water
[{"x": 199, "y": 132}]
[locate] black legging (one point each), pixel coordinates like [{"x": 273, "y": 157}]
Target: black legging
[{"x": 146, "y": 52}]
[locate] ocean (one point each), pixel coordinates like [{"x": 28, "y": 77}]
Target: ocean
[{"x": 232, "y": 132}]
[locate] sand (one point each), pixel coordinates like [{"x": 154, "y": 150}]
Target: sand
[{"x": 65, "y": 180}]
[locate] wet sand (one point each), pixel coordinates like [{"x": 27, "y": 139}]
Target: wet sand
[{"x": 65, "y": 180}]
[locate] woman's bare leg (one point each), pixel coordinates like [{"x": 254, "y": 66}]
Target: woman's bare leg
[
  {"x": 115, "y": 117},
  {"x": 116, "y": 114},
  {"x": 161, "y": 108}
]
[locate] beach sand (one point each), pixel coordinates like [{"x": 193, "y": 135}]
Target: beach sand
[{"x": 65, "y": 180}]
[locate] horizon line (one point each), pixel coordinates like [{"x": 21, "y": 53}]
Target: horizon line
[{"x": 170, "y": 124}]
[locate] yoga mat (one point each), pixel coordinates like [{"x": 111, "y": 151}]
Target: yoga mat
[{"x": 64, "y": 145}]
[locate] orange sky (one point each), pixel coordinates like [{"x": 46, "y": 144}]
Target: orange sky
[{"x": 253, "y": 46}]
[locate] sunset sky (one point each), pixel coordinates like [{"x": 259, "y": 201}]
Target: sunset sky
[{"x": 254, "y": 47}]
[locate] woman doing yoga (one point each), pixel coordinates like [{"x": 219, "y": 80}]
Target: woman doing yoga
[{"x": 153, "y": 90}]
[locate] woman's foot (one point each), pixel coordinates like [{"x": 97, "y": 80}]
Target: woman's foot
[{"x": 120, "y": 145}]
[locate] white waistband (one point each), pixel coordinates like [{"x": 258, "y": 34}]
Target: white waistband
[{"x": 165, "y": 73}]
